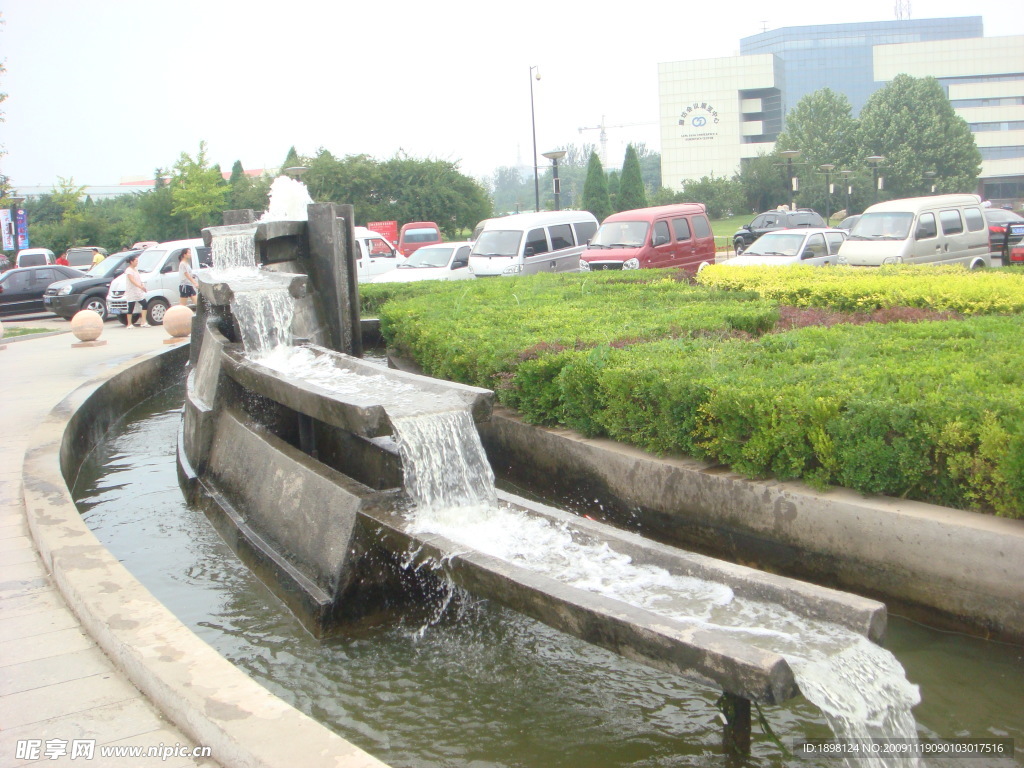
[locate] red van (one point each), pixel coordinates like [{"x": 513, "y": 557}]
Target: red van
[
  {"x": 416, "y": 234},
  {"x": 648, "y": 238}
]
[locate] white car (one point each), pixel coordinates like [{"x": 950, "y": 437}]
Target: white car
[
  {"x": 445, "y": 261},
  {"x": 158, "y": 268},
  {"x": 816, "y": 247}
]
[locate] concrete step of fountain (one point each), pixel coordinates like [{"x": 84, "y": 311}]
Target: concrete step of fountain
[
  {"x": 354, "y": 395},
  {"x": 708, "y": 656}
]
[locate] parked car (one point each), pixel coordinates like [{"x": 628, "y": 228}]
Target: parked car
[
  {"x": 528, "y": 243},
  {"x": 34, "y": 257},
  {"x": 83, "y": 256},
  {"x": 660, "y": 236},
  {"x": 158, "y": 268},
  {"x": 940, "y": 229},
  {"x": 997, "y": 220},
  {"x": 143, "y": 245},
  {"x": 816, "y": 247},
  {"x": 65, "y": 298},
  {"x": 772, "y": 220},
  {"x": 447, "y": 261},
  {"x": 21, "y": 290},
  {"x": 375, "y": 255},
  {"x": 848, "y": 222},
  {"x": 417, "y": 234}
]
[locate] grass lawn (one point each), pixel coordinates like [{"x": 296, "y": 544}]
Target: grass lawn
[{"x": 11, "y": 332}]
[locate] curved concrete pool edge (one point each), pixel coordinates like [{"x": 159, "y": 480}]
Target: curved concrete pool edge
[{"x": 202, "y": 693}]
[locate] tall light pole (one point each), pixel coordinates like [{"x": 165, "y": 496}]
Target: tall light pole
[
  {"x": 848, "y": 183},
  {"x": 929, "y": 180},
  {"x": 827, "y": 169},
  {"x": 878, "y": 181},
  {"x": 533, "y": 125},
  {"x": 554, "y": 157},
  {"x": 794, "y": 182}
]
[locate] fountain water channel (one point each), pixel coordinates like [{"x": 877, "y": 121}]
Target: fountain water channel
[{"x": 757, "y": 636}]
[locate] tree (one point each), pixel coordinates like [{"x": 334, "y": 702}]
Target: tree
[
  {"x": 510, "y": 191},
  {"x": 764, "y": 183},
  {"x": 723, "y": 197},
  {"x": 292, "y": 160},
  {"x": 822, "y": 127},
  {"x": 912, "y": 125},
  {"x": 650, "y": 166},
  {"x": 198, "y": 193},
  {"x": 595, "y": 190},
  {"x": 631, "y": 184}
]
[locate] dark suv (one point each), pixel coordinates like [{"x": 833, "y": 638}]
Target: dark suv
[
  {"x": 771, "y": 220},
  {"x": 66, "y": 297}
]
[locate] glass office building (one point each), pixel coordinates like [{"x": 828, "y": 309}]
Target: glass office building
[
  {"x": 841, "y": 56},
  {"x": 715, "y": 113}
]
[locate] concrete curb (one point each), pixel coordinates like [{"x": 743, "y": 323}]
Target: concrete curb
[
  {"x": 947, "y": 567},
  {"x": 202, "y": 693}
]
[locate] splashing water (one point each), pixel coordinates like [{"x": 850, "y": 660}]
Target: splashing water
[
  {"x": 234, "y": 251},
  {"x": 264, "y": 319},
  {"x": 288, "y": 201},
  {"x": 860, "y": 687}
]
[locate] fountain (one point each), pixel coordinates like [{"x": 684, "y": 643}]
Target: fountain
[{"x": 349, "y": 488}]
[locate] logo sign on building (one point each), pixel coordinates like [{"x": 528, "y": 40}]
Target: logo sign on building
[
  {"x": 387, "y": 229},
  {"x": 699, "y": 121}
]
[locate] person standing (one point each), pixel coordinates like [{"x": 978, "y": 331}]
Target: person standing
[
  {"x": 63, "y": 259},
  {"x": 97, "y": 256},
  {"x": 188, "y": 285},
  {"x": 134, "y": 292}
]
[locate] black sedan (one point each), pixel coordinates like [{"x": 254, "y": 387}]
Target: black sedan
[
  {"x": 66, "y": 298},
  {"x": 998, "y": 220},
  {"x": 21, "y": 290}
]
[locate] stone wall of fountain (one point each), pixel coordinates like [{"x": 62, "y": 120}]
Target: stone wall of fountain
[{"x": 303, "y": 463}]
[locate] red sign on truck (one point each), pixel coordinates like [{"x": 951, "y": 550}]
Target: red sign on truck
[{"x": 388, "y": 229}]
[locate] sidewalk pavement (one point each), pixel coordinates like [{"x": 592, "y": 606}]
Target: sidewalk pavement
[{"x": 58, "y": 690}]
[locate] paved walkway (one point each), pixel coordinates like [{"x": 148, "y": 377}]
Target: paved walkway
[{"x": 56, "y": 686}]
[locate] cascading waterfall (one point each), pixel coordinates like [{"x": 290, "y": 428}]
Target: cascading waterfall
[
  {"x": 860, "y": 687},
  {"x": 264, "y": 319}
]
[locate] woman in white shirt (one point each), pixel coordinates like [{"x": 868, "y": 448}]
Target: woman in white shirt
[{"x": 134, "y": 293}]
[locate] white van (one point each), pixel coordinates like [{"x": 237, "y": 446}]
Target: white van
[
  {"x": 34, "y": 257},
  {"x": 528, "y": 243},
  {"x": 941, "y": 229},
  {"x": 374, "y": 254},
  {"x": 158, "y": 268}
]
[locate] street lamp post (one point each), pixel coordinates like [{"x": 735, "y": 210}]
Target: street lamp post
[
  {"x": 848, "y": 183},
  {"x": 929, "y": 180},
  {"x": 878, "y": 181},
  {"x": 533, "y": 125},
  {"x": 554, "y": 157},
  {"x": 827, "y": 169},
  {"x": 794, "y": 182}
]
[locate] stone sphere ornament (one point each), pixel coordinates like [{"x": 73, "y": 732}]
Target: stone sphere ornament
[
  {"x": 86, "y": 325},
  {"x": 178, "y": 322}
]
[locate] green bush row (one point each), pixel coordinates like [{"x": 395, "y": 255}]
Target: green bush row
[
  {"x": 855, "y": 289},
  {"x": 927, "y": 411}
]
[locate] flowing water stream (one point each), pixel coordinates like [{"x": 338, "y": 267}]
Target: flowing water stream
[
  {"x": 860, "y": 688},
  {"x": 486, "y": 687}
]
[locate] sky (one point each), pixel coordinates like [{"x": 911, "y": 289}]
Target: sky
[{"x": 101, "y": 90}]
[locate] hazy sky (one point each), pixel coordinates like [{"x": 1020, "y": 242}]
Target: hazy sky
[{"x": 103, "y": 89}]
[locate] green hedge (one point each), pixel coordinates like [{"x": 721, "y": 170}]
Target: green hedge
[{"x": 929, "y": 410}]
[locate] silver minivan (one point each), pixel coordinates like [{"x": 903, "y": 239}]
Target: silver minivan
[
  {"x": 941, "y": 229},
  {"x": 528, "y": 243}
]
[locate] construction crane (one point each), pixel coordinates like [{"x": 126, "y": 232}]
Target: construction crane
[{"x": 603, "y": 135}]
